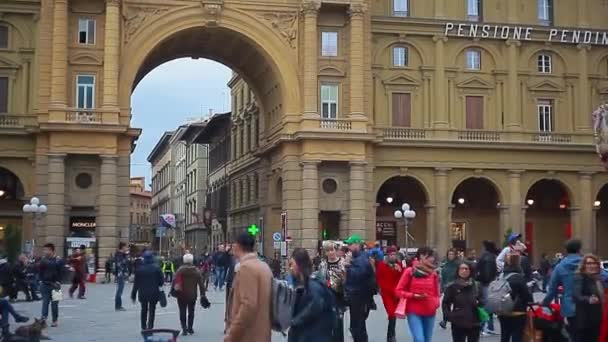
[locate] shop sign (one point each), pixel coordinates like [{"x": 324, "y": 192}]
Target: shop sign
[
  {"x": 519, "y": 33},
  {"x": 74, "y": 242},
  {"x": 386, "y": 229},
  {"x": 82, "y": 223}
]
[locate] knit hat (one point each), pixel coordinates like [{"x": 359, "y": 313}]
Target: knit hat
[{"x": 188, "y": 258}]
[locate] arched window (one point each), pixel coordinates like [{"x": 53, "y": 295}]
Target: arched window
[
  {"x": 545, "y": 64},
  {"x": 400, "y": 56},
  {"x": 473, "y": 59}
]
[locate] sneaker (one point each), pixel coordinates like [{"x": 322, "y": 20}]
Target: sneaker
[
  {"x": 82, "y": 297},
  {"x": 185, "y": 333},
  {"x": 121, "y": 309},
  {"x": 191, "y": 331},
  {"x": 55, "y": 324},
  {"x": 491, "y": 332},
  {"x": 485, "y": 334}
]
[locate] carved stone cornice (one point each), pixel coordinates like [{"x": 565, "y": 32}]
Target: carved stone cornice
[
  {"x": 285, "y": 23},
  {"x": 136, "y": 17},
  {"x": 212, "y": 10}
]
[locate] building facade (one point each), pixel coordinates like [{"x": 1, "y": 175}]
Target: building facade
[
  {"x": 163, "y": 185},
  {"x": 474, "y": 112},
  {"x": 140, "y": 228},
  {"x": 179, "y": 153}
]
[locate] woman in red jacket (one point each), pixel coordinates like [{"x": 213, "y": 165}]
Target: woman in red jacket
[
  {"x": 604, "y": 328},
  {"x": 420, "y": 286},
  {"x": 388, "y": 273}
]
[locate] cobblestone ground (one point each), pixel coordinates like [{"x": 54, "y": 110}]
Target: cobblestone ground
[{"x": 94, "y": 319}]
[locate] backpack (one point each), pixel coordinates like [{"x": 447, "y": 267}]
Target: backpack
[
  {"x": 499, "y": 300},
  {"x": 283, "y": 299}
]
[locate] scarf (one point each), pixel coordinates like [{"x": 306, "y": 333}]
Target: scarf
[
  {"x": 464, "y": 283},
  {"x": 421, "y": 270}
]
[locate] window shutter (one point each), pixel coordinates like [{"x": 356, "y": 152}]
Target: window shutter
[
  {"x": 3, "y": 94},
  {"x": 401, "y": 109},
  {"x": 3, "y": 37},
  {"x": 474, "y": 108}
]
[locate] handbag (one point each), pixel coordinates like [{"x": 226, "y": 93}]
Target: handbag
[
  {"x": 482, "y": 314},
  {"x": 400, "y": 312},
  {"x": 162, "y": 299},
  {"x": 56, "y": 295}
]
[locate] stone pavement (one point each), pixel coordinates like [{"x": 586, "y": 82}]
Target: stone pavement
[{"x": 94, "y": 319}]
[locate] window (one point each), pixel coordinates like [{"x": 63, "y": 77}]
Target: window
[
  {"x": 401, "y": 8},
  {"x": 329, "y": 44},
  {"x": 329, "y": 101},
  {"x": 401, "y": 109},
  {"x": 400, "y": 54},
  {"x": 545, "y": 12},
  {"x": 474, "y": 106},
  {"x": 86, "y": 31},
  {"x": 3, "y": 94},
  {"x": 544, "y": 64},
  {"x": 85, "y": 92},
  {"x": 474, "y": 10},
  {"x": 545, "y": 115},
  {"x": 3, "y": 37},
  {"x": 473, "y": 59}
]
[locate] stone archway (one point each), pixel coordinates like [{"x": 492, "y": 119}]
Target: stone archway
[
  {"x": 601, "y": 222},
  {"x": 475, "y": 214},
  {"x": 390, "y": 196},
  {"x": 548, "y": 222},
  {"x": 12, "y": 198}
]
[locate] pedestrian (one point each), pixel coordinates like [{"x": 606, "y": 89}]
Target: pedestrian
[
  {"x": 205, "y": 268},
  {"x": 250, "y": 297},
  {"x": 7, "y": 279},
  {"x": 332, "y": 271},
  {"x": 563, "y": 275},
  {"x": 512, "y": 324},
  {"x": 108, "y": 268},
  {"x": 148, "y": 280},
  {"x": 388, "y": 274},
  {"x": 461, "y": 301},
  {"x": 21, "y": 279},
  {"x": 419, "y": 285},
  {"x": 51, "y": 271},
  {"x": 229, "y": 279},
  {"x": 314, "y": 314},
  {"x": 121, "y": 273},
  {"x": 545, "y": 271},
  {"x": 77, "y": 266},
  {"x": 359, "y": 288},
  {"x": 486, "y": 272},
  {"x": 168, "y": 268},
  {"x": 588, "y": 299},
  {"x": 188, "y": 280},
  {"x": 449, "y": 268},
  {"x": 513, "y": 243},
  {"x": 7, "y": 310}
]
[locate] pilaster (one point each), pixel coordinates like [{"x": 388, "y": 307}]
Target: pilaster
[
  {"x": 357, "y": 199},
  {"x": 513, "y": 107},
  {"x": 292, "y": 198},
  {"x": 55, "y": 217},
  {"x": 442, "y": 212},
  {"x": 357, "y": 36},
  {"x": 310, "y": 9},
  {"x": 111, "y": 56},
  {"x": 59, "y": 64},
  {"x": 583, "y": 124},
  {"x": 440, "y": 114},
  {"x": 107, "y": 223},
  {"x": 515, "y": 206},
  {"x": 584, "y": 230},
  {"x": 439, "y": 9},
  {"x": 310, "y": 204}
]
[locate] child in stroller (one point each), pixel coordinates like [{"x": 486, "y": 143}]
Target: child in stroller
[{"x": 550, "y": 322}]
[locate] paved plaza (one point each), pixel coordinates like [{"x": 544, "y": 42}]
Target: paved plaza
[{"x": 94, "y": 319}]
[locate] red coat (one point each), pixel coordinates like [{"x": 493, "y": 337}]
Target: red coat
[
  {"x": 409, "y": 286},
  {"x": 388, "y": 278},
  {"x": 604, "y": 329}
]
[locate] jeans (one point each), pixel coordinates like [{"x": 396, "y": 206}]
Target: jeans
[
  {"x": 169, "y": 277},
  {"x": 46, "y": 291},
  {"x": 220, "y": 275},
  {"x": 359, "y": 311},
  {"x": 183, "y": 305},
  {"x": 512, "y": 328},
  {"x": 6, "y": 308},
  {"x": 465, "y": 335},
  {"x": 120, "y": 286},
  {"x": 571, "y": 328},
  {"x": 421, "y": 327},
  {"x": 489, "y": 325},
  {"x": 148, "y": 310},
  {"x": 78, "y": 283}
]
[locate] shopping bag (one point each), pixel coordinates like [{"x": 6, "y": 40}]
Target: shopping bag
[
  {"x": 482, "y": 314},
  {"x": 56, "y": 295},
  {"x": 401, "y": 307}
]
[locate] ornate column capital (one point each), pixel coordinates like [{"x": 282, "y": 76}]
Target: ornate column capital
[
  {"x": 310, "y": 163},
  {"x": 310, "y": 7},
  {"x": 113, "y": 2},
  {"x": 355, "y": 163},
  {"x": 442, "y": 171},
  {"x": 357, "y": 9},
  {"x": 440, "y": 38},
  {"x": 513, "y": 42},
  {"x": 584, "y": 47}
]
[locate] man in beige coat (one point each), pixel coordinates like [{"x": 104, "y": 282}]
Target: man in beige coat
[{"x": 249, "y": 302}]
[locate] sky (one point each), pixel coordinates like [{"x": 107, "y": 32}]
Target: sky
[{"x": 169, "y": 95}]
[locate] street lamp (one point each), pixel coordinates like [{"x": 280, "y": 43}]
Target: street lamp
[
  {"x": 408, "y": 216},
  {"x": 36, "y": 210}
]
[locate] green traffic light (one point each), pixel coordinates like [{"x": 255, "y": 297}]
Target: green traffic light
[{"x": 253, "y": 230}]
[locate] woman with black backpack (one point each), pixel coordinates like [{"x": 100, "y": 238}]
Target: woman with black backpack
[
  {"x": 513, "y": 324},
  {"x": 314, "y": 314},
  {"x": 460, "y": 305}
]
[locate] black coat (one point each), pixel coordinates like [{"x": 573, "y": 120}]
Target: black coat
[
  {"x": 588, "y": 316},
  {"x": 313, "y": 318},
  {"x": 460, "y": 303},
  {"x": 148, "y": 279},
  {"x": 486, "y": 268},
  {"x": 519, "y": 289}
]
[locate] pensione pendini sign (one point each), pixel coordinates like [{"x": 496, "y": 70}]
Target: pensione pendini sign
[{"x": 484, "y": 31}]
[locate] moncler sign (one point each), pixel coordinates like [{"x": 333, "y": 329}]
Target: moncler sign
[{"x": 484, "y": 31}]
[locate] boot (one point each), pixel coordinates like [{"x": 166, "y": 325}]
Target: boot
[
  {"x": 391, "y": 333},
  {"x": 6, "y": 333}
]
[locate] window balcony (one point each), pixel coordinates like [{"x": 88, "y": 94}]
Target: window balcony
[
  {"x": 337, "y": 124},
  {"x": 83, "y": 116},
  {"x": 9, "y": 121}
]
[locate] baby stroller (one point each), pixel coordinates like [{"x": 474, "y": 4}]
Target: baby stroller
[
  {"x": 160, "y": 335},
  {"x": 549, "y": 322}
]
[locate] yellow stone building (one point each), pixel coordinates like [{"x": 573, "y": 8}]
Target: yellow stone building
[{"x": 477, "y": 113}]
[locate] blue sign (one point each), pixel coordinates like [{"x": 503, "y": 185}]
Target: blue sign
[
  {"x": 277, "y": 236},
  {"x": 161, "y": 232}
]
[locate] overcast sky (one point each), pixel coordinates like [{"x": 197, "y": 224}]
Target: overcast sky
[{"x": 171, "y": 94}]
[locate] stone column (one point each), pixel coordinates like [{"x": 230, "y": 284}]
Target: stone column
[
  {"x": 439, "y": 9},
  {"x": 55, "y": 218},
  {"x": 442, "y": 217},
  {"x": 111, "y": 54},
  {"x": 504, "y": 222},
  {"x": 513, "y": 115},
  {"x": 515, "y": 205},
  {"x": 310, "y": 9},
  {"x": 310, "y": 204},
  {"x": 252, "y": 190},
  {"x": 59, "y": 63},
  {"x": 252, "y": 133},
  {"x": 237, "y": 140},
  {"x": 245, "y": 136},
  {"x": 292, "y": 199},
  {"x": 440, "y": 117},
  {"x": 123, "y": 178},
  {"x": 357, "y": 200},
  {"x": 357, "y": 46},
  {"x": 583, "y": 120},
  {"x": 107, "y": 230},
  {"x": 582, "y": 14},
  {"x": 512, "y": 10},
  {"x": 585, "y": 225},
  {"x": 431, "y": 228},
  {"x": 232, "y": 144}
]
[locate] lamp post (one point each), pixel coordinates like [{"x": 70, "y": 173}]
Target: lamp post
[
  {"x": 37, "y": 210},
  {"x": 408, "y": 216}
]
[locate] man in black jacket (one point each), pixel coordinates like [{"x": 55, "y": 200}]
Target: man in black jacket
[
  {"x": 486, "y": 273},
  {"x": 51, "y": 271},
  {"x": 148, "y": 279}
]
